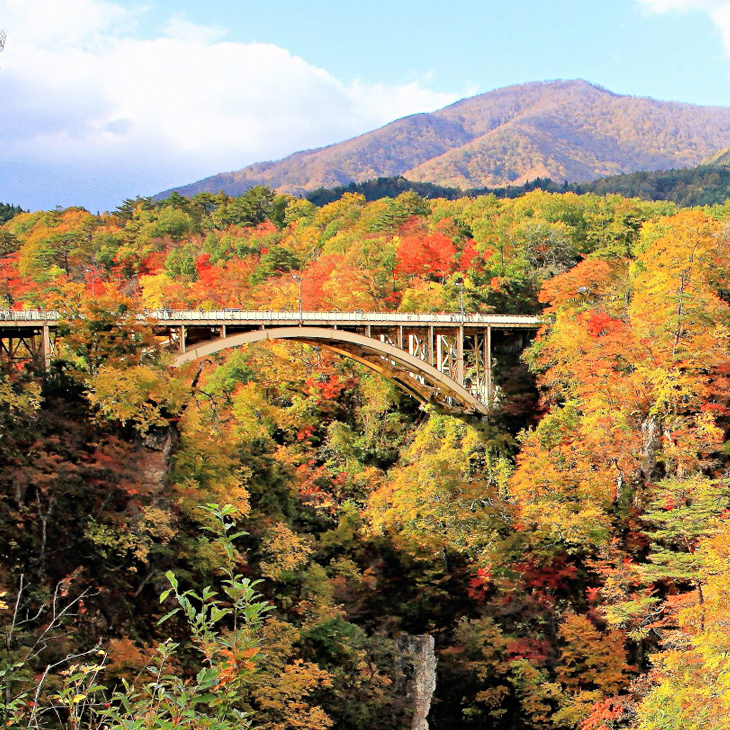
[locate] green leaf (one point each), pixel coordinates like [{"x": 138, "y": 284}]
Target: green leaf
[
  {"x": 204, "y": 699},
  {"x": 168, "y": 615},
  {"x": 173, "y": 580}
]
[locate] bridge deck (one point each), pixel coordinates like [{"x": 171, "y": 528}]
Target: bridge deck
[{"x": 36, "y": 318}]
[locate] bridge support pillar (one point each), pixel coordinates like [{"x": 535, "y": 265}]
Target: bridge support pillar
[
  {"x": 460, "y": 356},
  {"x": 400, "y": 336},
  {"x": 45, "y": 348},
  {"x": 183, "y": 349},
  {"x": 488, "y": 364}
]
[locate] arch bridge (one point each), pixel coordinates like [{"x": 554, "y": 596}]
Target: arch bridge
[{"x": 444, "y": 359}]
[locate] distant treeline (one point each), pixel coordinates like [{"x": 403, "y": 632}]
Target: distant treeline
[
  {"x": 703, "y": 185},
  {"x": 689, "y": 187},
  {"x": 391, "y": 187}
]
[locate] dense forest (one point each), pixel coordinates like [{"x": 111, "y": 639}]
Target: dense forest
[{"x": 254, "y": 539}]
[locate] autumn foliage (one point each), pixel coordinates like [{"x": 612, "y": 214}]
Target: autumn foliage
[{"x": 568, "y": 554}]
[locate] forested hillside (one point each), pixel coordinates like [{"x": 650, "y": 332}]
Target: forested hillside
[{"x": 569, "y": 554}]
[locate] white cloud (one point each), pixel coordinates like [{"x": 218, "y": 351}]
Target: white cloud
[
  {"x": 53, "y": 24},
  {"x": 721, "y": 17},
  {"x": 718, "y": 10},
  {"x": 92, "y": 113},
  {"x": 663, "y": 6}
]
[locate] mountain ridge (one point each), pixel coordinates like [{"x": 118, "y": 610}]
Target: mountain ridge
[{"x": 566, "y": 130}]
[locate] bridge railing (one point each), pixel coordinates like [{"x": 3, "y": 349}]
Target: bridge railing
[
  {"x": 234, "y": 315},
  {"x": 338, "y": 317},
  {"x": 29, "y": 315}
]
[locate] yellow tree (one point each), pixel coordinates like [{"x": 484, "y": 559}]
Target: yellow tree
[
  {"x": 691, "y": 677},
  {"x": 460, "y": 502},
  {"x": 683, "y": 323},
  {"x": 592, "y": 667}
]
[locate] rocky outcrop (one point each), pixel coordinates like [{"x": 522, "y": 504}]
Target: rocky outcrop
[
  {"x": 417, "y": 668},
  {"x": 157, "y": 448}
]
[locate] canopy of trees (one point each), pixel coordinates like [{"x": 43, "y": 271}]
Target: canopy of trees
[{"x": 569, "y": 554}]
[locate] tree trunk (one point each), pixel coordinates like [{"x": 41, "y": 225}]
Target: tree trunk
[{"x": 651, "y": 443}]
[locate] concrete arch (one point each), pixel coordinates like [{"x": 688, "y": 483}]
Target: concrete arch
[{"x": 390, "y": 361}]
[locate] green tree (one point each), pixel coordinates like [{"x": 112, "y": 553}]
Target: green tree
[
  {"x": 680, "y": 514},
  {"x": 256, "y": 205}
]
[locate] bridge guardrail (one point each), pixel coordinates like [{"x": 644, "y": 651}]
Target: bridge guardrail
[
  {"x": 28, "y": 315},
  {"x": 384, "y": 317},
  {"x": 233, "y": 315}
]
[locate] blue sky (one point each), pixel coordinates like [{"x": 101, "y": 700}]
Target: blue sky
[
  {"x": 106, "y": 99},
  {"x": 466, "y": 46}
]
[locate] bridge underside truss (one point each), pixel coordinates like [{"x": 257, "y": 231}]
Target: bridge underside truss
[
  {"x": 29, "y": 345},
  {"x": 411, "y": 369}
]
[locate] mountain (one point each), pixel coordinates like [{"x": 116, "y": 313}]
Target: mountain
[
  {"x": 564, "y": 130},
  {"x": 721, "y": 158}
]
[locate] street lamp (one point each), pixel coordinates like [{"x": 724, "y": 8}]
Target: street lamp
[
  {"x": 298, "y": 279},
  {"x": 460, "y": 284}
]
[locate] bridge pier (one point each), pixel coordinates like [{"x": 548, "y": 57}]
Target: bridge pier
[
  {"x": 45, "y": 347},
  {"x": 460, "y": 356},
  {"x": 488, "y": 366}
]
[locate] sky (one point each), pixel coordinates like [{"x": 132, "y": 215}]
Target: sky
[{"x": 102, "y": 100}]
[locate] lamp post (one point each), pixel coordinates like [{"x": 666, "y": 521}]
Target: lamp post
[
  {"x": 298, "y": 279},
  {"x": 460, "y": 284}
]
